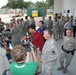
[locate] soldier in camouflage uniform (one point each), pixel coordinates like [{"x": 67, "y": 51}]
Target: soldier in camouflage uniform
[
  {"x": 26, "y": 24},
  {"x": 49, "y": 53},
  {"x": 31, "y": 21},
  {"x": 16, "y": 39},
  {"x": 55, "y": 28},
  {"x": 69, "y": 46},
  {"x": 49, "y": 23},
  {"x": 21, "y": 28},
  {"x": 13, "y": 21},
  {"x": 61, "y": 26}
]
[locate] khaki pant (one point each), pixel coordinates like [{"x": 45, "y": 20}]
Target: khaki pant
[{"x": 39, "y": 60}]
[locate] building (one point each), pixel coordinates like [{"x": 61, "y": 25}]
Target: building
[{"x": 65, "y": 7}]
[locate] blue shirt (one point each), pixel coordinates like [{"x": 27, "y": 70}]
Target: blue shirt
[
  {"x": 68, "y": 25},
  {"x": 41, "y": 30}
]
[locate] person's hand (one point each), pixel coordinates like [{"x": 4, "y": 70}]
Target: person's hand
[
  {"x": 28, "y": 53},
  {"x": 23, "y": 38},
  {"x": 31, "y": 44}
]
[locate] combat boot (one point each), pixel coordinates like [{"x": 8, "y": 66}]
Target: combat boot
[
  {"x": 60, "y": 68},
  {"x": 65, "y": 70}
]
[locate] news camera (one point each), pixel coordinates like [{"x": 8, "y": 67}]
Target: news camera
[{"x": 26, "y": 45}]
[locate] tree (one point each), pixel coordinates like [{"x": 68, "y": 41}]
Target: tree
[
  {"x": 40, "y": 4},
  {"x": 27, "y": 4},
  {"x": 49, "y": 3},
  {"x": 15, "y": 3}
]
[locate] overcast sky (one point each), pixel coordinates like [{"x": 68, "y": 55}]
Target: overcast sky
[{"x": 3, "y": 2}]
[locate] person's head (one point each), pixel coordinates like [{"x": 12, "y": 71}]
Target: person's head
[
  {"x": 47, "y": 34},
  {"x": 7, "y": 25},
  {"x": 56, "y": 15},
  {"x": 20, "y": 22},
  {"x": 31, "y": 17},
  {"x": 13, "y": 19},
  {"x": 32, "y": 28},
  {"x": 67, "y": 16},
  {"x": 72, "y": 17},
  {"x": 41, "y": 24},
  {"x": 43, "y": 18},
  {"x": 62, "y": 17},
  {"x": 70, "y": 20},
  {"x": 18, "y": 54},
  {"x": 59, "y": 17},
  {"x": 69, "y": 33},
  {"x": 22, "y": 19},
  {"x": 49, "y": 17},
  {"x": 55, "y": 18},
  {"x": 14, "y": 25}
]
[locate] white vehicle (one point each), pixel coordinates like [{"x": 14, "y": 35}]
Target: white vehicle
[{"x": 15, "y": 13}]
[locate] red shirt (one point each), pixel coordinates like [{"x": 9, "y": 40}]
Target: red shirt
[{"x": 38, "y": 40}]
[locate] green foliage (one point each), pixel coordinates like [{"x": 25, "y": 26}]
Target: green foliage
[
  {"x": 22, "y": 4},
  {"x": 40, "y": 4},
  {"x": 49, "y": 3}
]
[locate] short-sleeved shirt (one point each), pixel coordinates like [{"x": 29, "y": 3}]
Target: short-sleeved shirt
[{"x": 24, "y": 69}]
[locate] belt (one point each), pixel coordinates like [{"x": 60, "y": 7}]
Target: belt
[{"x": 72, "y": 52}]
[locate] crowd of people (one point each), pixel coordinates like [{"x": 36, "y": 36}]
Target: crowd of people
[{"x": 33, "y": 51}]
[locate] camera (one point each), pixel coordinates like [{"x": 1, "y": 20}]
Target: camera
[{"x": 26, "y": 45}]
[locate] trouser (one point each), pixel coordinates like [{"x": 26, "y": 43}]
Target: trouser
[
  {"x": 38, "y": 56},
  {"x": 65, "y": 56},
  {"x": 56, "y": 34},
  {"x": 60, "y": 33},
  {"x": 47, "y": 69},
  {"x": 65, "y": 32},
  {"x": 74, "y": 31},
  {"x": 39, "y": 60}
]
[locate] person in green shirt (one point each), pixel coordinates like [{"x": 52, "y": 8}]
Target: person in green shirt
[{"x": 21, "y": 65}]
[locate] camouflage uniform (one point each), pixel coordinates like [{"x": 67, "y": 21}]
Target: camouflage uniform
[
  {"x": 49, "y": 53},
  {"x": 61, "y": 27},
  {"x": 26, "y": 24},
  {"x": 21, "y": 30},
  {"x": 32, "y": 22},
  {"x": 49, "y": 24},
  {"x": 11, "y": 23},
  {"x": 55, "y": 29},
  {"x": 16, "y": 39},
  {"x": 69, "y": 44}
]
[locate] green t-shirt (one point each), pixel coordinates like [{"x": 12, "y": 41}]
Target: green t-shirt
[{"x": 24, "y": 69}]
